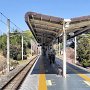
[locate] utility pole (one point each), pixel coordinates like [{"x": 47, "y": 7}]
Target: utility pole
[
  {"x": 31, "y": 46},
  {"x": 64, "y": 52},
  {"x": 75, "y": 50},
  {"x": 8, "y": 45},
  {"x": 22, "y": 45},
  {"x": 65, "y": 26},
  {"x": 59, "y": 49}
]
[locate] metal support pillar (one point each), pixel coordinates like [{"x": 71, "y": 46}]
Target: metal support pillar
[
  {"x": 37, "y": 49},
  {"x": 64, "y": 52},
  {"x": 59, "y": 49},
  {"x": 40, "y": 50},
  {"x": 31, "y": 46},
  {"x": 52, "y": 45},
  {"x": 8, "y": 45},
  {"x": 65, "y": 26},
  {"x": 22, "y": 45},
  {"x": 75, "y": 50}
]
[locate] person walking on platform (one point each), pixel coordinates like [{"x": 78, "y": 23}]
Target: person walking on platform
[{"x": 51, "y": 56}]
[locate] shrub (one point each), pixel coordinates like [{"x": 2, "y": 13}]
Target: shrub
[
  {"x": 85, "y": 63},
  {"x": 83, "y": 50},
  {"x": 19, "y": 57},
  {"x": 13, "y": 63}
]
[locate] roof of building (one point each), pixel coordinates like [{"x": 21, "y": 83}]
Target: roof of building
[{"x": 47, "y": 28}]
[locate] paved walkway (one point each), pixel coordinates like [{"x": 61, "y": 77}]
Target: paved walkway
[{"x": 44, "y": 76}]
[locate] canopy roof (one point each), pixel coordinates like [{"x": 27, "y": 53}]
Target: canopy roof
[{"x": 47, "y": 28}]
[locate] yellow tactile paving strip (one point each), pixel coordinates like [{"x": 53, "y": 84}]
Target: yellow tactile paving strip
[
  {"x": 42, "y": 78},
  {"x": 85, "y": 77},
  {"x": 42, "y": 82}
]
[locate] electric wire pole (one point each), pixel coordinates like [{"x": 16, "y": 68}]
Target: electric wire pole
[
  {"x": 65, "y": 26},
  {"x": 8, "y": 45},
  {"x": 22, "y": 45},
  {"x": 75, "y": 50},
  {"x": 64, "y": 52},
  {"x": 31, "y": 46}
]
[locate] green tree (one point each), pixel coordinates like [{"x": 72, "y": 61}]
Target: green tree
[
  {"x": 16, "y": 43},
  {"x": 3, "y": 41},
  {"x": 83, "y": 49}
]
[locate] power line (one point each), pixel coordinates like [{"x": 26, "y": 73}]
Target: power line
[
  {"x": 3, "y": 15},
  {"x": 5, "y": 24},
  {"x": 10, "y": 21}
]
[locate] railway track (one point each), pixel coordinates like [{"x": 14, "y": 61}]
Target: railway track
[{"x": 17, "y": 80}]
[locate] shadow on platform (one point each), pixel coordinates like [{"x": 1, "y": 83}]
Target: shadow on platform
[{"x": 43, "y": 66}]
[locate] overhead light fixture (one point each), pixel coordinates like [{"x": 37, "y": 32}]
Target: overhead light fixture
[{"x": 67, "y": 22}]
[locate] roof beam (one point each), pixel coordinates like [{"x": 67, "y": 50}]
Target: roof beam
[
  {"x": 77, "y": 26},
  {"x": 87, "y": 29},
  {"x": 46, "y": 27},
  {"x": 46, "y": 31},
  {"x": 40, "y": 34},
  {"x": 46, "y": 23},
  {"x": 45, "y": 36},
  {"x": 31, "y": 28}
]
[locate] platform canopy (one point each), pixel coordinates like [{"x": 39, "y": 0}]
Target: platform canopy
[{"x": 47, "y": 29}]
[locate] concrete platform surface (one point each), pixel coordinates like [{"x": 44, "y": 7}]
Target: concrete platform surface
[{"x": 44, "y": 76}]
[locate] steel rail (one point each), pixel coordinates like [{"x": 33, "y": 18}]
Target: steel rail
[{"x": 15, "y": 82}]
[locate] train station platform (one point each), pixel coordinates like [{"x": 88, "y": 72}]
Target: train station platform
[{"x": 44, "y": 76}]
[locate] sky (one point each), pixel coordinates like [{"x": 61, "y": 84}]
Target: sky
[{"x": 16, "y": 9}]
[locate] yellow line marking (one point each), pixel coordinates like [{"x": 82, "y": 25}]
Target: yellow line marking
[
  {"x": 85, "y": 77},
  {"x": 42, "y": 82}
]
